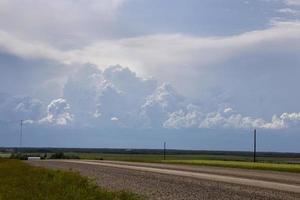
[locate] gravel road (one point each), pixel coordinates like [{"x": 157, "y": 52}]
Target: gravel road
[{"x": 160, "y": 186}]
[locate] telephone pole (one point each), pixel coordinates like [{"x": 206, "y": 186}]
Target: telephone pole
[
  {"x": 21, "y": 133},
  {"x": 164, "y": 150},
  {"x": 254, "y": 146}
]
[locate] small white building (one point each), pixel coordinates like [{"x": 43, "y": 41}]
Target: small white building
[{"x": 34, "y": 158}]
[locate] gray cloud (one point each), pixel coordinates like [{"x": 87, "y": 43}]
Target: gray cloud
[
  {"x": 292, "y": 2},
  {"x": 74, "y": 22},
  {"x": 15, "y": 108}
]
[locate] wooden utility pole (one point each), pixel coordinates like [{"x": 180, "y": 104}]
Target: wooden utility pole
[
  {"x": 254, "y": 146},
  {"x": 164, "y": 150},
  {"x": 21, "y": 133}
]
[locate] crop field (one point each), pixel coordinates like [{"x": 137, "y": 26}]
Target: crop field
[
  {"x": 23, "y": 182},
  {"x": 4, "y": 155},
  {"x": 240, "y": 164},
  {"x": 275, "y": 164},
  {"x": 289, "y": 162},
  {"x": 158, "y": 157}
]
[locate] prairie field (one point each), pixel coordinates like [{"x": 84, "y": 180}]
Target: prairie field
[{"x": 231, "y": 161}]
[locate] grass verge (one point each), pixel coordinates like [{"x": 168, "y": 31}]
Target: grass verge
[{"x": 23, "y": 182}]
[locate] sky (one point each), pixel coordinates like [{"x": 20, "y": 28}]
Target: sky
[{"x": 135, "y": 73}]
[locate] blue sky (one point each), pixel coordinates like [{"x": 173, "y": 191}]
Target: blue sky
[{"x": 133, "y": 73}]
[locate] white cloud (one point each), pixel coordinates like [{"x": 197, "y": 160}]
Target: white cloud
[
  {"x": 82, "y": 90},
  {"x": 185, "y": 118},
  {"x": 159, "y": 105},
  {"x": 228, "y": 110},
  {"x": 235, "y": 121},
  {"x": 165, "y": 97},
  {"x": 96, "y": 97},
  {"x": 193, "y": 117},
  {"x": 58, "y": 112},
  {"x": 114, "y": 119},
  {"x": 286, "y": 120},
  {"x": 289, "y": 11}
]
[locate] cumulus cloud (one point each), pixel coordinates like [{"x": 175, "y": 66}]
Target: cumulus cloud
[
  {"x": 58, "y": 112},
  {"x": 286, "y": 120},
  {"x": 117, "y": 97},
  {"x": 235, "y": 121},
  {"x": 82, "y": 90},
  {"x": 194, "y": 117},
  {"x": 100, "y": 98},
  {"x": 127, "y": 80},
  {"x": 185, "y": 118},
  {"x": 158, "y": 105},
  {"x": 164, "y": 97},
  {"x": 97, "y": 96}
]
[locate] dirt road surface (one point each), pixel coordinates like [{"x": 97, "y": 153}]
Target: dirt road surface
[{"x": 179, "y": 182}]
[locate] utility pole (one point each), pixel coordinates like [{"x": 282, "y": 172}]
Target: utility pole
[
  {"x": 21, "y": 133},
  {"x": 164, "y": 150},
  {"x": 254, "y": 146}
]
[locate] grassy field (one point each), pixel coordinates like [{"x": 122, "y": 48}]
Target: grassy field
[
  {"x": 240, "y": 164},
  {"x": 275, "y": 164},
  {"x": 157, "y": 157},
  {"x": 4, "y": 155},
  {"x": 23, "y": 182}
]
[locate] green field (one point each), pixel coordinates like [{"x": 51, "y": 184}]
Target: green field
[
  {"x": 240, "y": 164},
  {"x": 245, "y": 162},
  {"x": 23, "y": 182},
  {"x": 289, "y": 162},
  {"x": 158, "y": 157},
  {"x": 4, "y": 155}
]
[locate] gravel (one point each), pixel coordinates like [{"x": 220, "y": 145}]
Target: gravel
[{"x": 156, "y": 186}]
